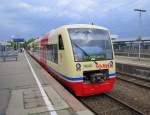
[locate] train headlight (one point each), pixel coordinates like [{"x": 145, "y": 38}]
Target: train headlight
[{"x": 78, "y": 66}]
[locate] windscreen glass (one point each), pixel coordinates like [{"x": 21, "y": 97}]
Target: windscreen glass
[{"x": 90, "y": 44}]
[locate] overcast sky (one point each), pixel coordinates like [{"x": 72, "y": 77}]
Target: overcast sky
[{"x": 29, "y": 18}]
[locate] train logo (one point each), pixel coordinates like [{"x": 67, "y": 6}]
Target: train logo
[{"x": 105, "y": 65}]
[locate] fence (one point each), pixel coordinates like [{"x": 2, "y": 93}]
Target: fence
[{"x": 8, "y": 55}]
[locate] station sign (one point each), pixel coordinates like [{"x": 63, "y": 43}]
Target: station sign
[{"x": 18, "y": 40}]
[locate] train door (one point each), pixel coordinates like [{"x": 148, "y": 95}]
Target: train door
[
  {"x": 61, "y": 51},
  {"x": 44, "y": 55},
  {"x": 44, "y": 43}
]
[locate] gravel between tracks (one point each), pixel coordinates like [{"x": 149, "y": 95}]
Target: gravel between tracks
[
  {"x": 104, "y": 105},
  {"x": 135, "y": 96},
  {"x": 132, "y": 94}
]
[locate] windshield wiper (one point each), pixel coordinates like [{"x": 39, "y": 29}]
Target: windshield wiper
[{"x": 84, "y": 52}]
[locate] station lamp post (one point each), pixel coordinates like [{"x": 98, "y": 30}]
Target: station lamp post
[{"x": 140, "y": 28}]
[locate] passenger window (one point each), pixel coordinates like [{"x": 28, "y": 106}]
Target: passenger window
[
  {"x": 61, "y": 45},
  {"x": 52, "y": 53}
]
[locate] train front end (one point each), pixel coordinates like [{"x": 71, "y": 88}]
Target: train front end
[{"x": 93, "y": 60}]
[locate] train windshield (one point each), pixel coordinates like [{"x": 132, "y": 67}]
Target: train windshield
[{"x": 90, "y": 44}]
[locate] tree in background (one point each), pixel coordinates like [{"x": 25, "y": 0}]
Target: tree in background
[
  {"x": 28, "y": 42},
  {"x": 16, "y": 45},
  {"x": 12, "y": 44}
]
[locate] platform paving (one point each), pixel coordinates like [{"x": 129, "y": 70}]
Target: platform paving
[
  {"x": 20, "y": 94},
  {"x": 4, "y": 99}
]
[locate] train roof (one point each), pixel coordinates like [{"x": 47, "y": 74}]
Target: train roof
[
  {"x": 70, "y": 26},
  {"x": 83, "y": 26}
]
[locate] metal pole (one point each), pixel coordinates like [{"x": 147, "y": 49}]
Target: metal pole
[
  {"x": 139, "y": 51},
  {"x": 140, "y": 35},
  {"x": 140, "y": 28}
]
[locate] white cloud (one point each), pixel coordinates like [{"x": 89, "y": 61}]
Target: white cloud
[
  {"x": 43, "y": 9},
  {"x": 75, "y": 9},
  {"x": 81, "y": 8},
  {"x": 24, "y": 5},
  {"x": 32, "y": 8},
  {"x": 12, "y": 24},
  {"x": 140, "y": 3},
  {"x": 61, "y": 3}
]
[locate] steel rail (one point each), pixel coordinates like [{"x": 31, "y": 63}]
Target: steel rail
[
  {"x": 135, "y": 82},
  {"x": 126, "y": 104},
  {"x": 137, "y": 77}
]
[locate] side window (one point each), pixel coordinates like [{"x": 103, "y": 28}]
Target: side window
[
  {"x": 49, "y": 52},
  {"x": 52, "y": 53},
  {"x": 61, "y": 45},
  {"x": 55, "y": 53}
]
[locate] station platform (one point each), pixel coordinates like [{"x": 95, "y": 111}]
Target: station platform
[
  {"x": 27, "y": 89},
  {"x": 144, "y": 62},
  {"x": 133, "y": 67}
]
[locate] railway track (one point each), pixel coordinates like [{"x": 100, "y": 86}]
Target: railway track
[
  {"x": 134, "y": 76},
  {"x": 134, "y": 80},
  {"x": 133, "y": 92},
  {"x": 126, "y": 104},
  {"x": 106, "y": 104},
  {"x": 130, "y": 96}
]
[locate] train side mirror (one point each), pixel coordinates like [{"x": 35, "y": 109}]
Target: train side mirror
[{"x": 60, "y": 41}]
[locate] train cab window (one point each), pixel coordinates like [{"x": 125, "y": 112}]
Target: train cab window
[{"x": 61, "y": 45}]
